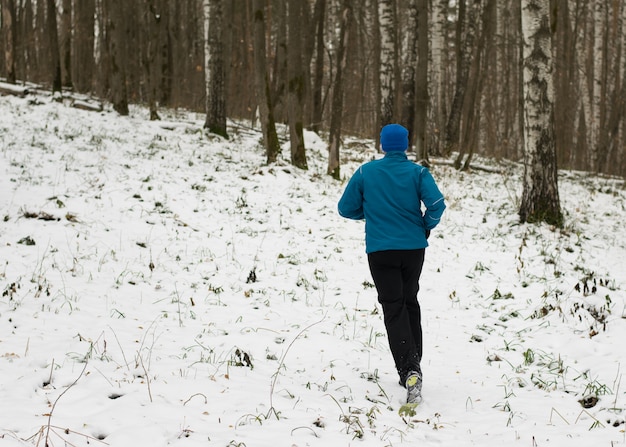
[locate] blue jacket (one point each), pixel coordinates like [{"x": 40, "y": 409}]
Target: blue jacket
[{"x": 389, "y": 193}]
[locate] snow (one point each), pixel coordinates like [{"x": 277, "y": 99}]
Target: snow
[{"x": 165, "y": 287}]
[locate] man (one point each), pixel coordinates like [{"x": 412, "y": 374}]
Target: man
[{"x": 389, "y": 193}]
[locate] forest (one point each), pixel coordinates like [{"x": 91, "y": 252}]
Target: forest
[{"x": 450, "y": 71}]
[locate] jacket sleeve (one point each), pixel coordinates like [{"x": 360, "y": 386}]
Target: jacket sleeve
[
  {"x": 351, "y": 203},
  {"x": 432, "y": 199}
]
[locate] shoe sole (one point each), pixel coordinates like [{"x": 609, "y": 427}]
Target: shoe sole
[{"x": 411, "y": 381}]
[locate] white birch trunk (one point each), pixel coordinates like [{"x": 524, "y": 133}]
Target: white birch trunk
[
  {"x": 387, "y": 22},
  {"x": 408, "y": 69},
  {"x": 596, "y": 122},
  {"x": 437, "y": 65},
  {"x": 540, "y": 198}
]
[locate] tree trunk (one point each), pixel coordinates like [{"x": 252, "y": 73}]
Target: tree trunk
[
  {"x": 612, "y": 100},
  {"x": 115, "y": 16},
  {"x": 152, "y": 13},
  {"x": 388, "y": 60},
  {"x": 42, "y": 43},
  {"x": 334, "y": 143},
  {"x": 296, "y": 85},
  {"x": 262, "y": 84},
  {"x": 66, "y": 44},
  {"x": 540, "y": 198},
  {"x": 421, "y": 90},
  {"x": 438, "y": 86},
  {"x": 53, "y": 42},
  {"x": 83, "y": 61},
  {"x": 318, "y": 74},
  {"x": 9, "y": 30},
  {"x": 374, "y": 16},
  {"x": 280, "y": 70},
  {"x": 215, "y": 75},
  {"x": 410, "y": 41},
  {"x": 26, "y": 48},
  {"x": 466, "y": 33},
  {"x": 472, "y": 105}
]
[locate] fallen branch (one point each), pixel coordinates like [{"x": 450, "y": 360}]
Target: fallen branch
[
  {"x": 85, "y": 105},
  {"x": 13, "y": 89}
]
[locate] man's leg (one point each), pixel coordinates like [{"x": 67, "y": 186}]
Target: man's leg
[
  {"x": 411, "y": 271},
  {"x": 386, "y": 269}
]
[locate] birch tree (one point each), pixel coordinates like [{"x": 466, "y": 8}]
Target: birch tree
[
  {"x": 540, "y": 197},
  {"x": 465, "y": 35},
  {"x": 438, "y": 72},
  {"x": 215, "y": 78},
  {"x": 409, "y": 47},
  {"x": 388, "y": 60},
  {"x": 421, "y": 82},
  {"x": 472, "y": 104}
]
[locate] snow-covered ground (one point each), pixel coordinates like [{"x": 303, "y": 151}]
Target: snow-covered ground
[{"x": 164, "y": 287}]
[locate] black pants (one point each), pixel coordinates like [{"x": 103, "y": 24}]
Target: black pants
[{"x": 396, "y": 274}]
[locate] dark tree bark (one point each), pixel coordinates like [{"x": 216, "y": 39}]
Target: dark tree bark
[
  {"x": 472, "y": 107},
  {"x": 318, "y": 75},
  {"x": 334, "y": 143},
  {"x": 53, "y": 42},
  {"x": 216, "y": 76},
  {"x": 152, "y": 36},
  {"x": 9, "y": 30},
  {"x": 280, "y": 71},
  {"x": 66, "y": 44},
  {"x": 115, "y": 16},
  {"x": 262, "y": 84},
  {"x": 166, "y": 59},
  {"x": 296, "y": 85},
  {"x": 466, "y": 31},
  {"x": 42, "y": 43},
  {"x": 26, "y": 66}
]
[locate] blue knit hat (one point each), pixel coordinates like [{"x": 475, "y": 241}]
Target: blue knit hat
[{"x": 394, "y": 137}]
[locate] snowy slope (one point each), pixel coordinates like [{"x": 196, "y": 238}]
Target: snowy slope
[{"x": 165, "y": 287}]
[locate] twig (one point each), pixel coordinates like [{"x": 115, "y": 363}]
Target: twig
[
  {"x": 194, "y": 395},
  {"x": 51, "y": 369},
  {"x": 47, "y": 429},
  {"x": 121, "y": 349},
  {"x": 591, "y": 416},
  {"x": 66, "y": 431},
  {"x": 554, "y": 410},
  {"x": 180, "y": 321},
  {"x": 619, "y": 382},
  {"x": 282, "y": 361},
  {"x": 147, "y": 377},
  {"x": 298, "y": 428}
]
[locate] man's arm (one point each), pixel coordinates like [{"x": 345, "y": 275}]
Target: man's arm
[
  {"x": 433, "y": 200},
  {"x": 350, "y": 205}
]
